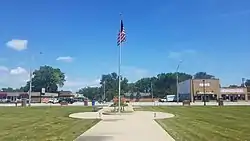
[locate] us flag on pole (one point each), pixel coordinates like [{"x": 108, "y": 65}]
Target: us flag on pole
[{"x": 121, "y": 35}]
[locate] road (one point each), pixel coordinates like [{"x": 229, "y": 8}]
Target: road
[
  {"x": 137, "y": 104},
  {"x": 49, "y": 104}
]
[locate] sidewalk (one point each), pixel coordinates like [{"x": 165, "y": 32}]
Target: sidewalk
[{"x": 138, "y": 126}]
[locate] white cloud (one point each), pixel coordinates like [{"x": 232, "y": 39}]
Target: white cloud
[
  {"x": 18, "y": 71},
  {"x": 179, "y": 54},
  {"x": 15, "y": 77},
  {"x": 65, "y": 59},
  {"x": 17, "y": 44}
]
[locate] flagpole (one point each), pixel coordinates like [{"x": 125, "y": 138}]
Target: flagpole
[
  {"x": 119, "y": 76},
  {"x": 119, "y": 73}
]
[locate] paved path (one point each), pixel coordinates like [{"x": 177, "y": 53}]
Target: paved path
[{"x": 136, "y": 126}]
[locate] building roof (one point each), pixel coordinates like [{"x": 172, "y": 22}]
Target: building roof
[
  {"x": 142, "y": 94},
  {"x": 65, "y": 92}
]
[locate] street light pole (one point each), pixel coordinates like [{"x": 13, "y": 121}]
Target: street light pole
[
  {"x": 30, "y": 77},
  {"x": 177, "y": 81},
  {"x": 30, "y": 89},
  {"x": 104, "y": 94},
  {"x": 152, "y": 94},
  {"x": 204, "y": 91}
]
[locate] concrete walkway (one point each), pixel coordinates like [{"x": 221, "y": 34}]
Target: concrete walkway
[{"x": 136, "y": 126}]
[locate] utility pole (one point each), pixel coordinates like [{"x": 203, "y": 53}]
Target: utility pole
[
  {"x": 177, "y": 87},
  {"x": 104, "y": 91},
  {"x": 30, "y": 89},
  {"x": 243, "y": 82},
  {"x": 152, "y": 91},
  {"x": 30, "y": 76},
  {"x": 204, "y": 91},
  {"x": 177, "y": 81}
]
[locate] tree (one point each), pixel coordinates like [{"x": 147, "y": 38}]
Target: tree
[
  {"x": 46, "y": 77},
  {"x": 131, "y": 96},
  {"x": 143, "y": 85},
  {"x": 163, "y": 84},
  {"x": 203, "y": 75},
  {"x": 132, "y": 87},
  {"x": 111, "y": 85},
  {"x": 9, "y": 89},
  {"x": 247, "y": 83},
  {"x": 91, "y": 92},
  {"x": 138, "y": 96},
  {"x": 234, "y": 86}
]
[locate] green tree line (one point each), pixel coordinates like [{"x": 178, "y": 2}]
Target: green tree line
[
  {"x": 162, "y": 84},
  {"x": 45, "y": 77}
]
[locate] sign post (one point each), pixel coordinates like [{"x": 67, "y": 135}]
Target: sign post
[{"x": 43, "y": 91}]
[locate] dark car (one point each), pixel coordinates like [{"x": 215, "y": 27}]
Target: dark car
[{"x": 68, "y": 100}]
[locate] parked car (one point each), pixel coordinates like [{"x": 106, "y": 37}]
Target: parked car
[
  {"x": 68, "y": 100},
  {"x": 7, "y": 101},
  {"x": 163, "y": 99},
  {"x": 168, "y": 98},
  {"x": 54, "y": 101},
  {"x": 4, "y": 100}
]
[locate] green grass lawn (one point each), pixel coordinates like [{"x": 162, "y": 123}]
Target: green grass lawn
[
  {"x": 207, "y": 123},
  {"x": 42, "y": 123}
]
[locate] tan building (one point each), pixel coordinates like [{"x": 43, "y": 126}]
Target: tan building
[
  {"x": 234, "y": 94},
  {"x": 248, "y": 92},
  {"x": 198, "y": 89},
  {"x": 209, "y": 89}
]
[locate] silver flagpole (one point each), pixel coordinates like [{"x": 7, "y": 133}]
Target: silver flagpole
[
  {"x": 119, "y": 68},
  {"x": 119, "y": 76}
]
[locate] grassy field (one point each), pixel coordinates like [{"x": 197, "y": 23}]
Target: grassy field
[
  {"x": 42, "y": 123},
  {"x": 207, "y": 123}
]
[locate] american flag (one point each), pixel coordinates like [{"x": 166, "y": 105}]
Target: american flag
[{"x": 121, "y": 35}]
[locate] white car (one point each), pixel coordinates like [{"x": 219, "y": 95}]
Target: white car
[
  {"x": 163, "y": 100},
  {"x": 54, "y": 101},
  {"x": 168, "y": 98}
]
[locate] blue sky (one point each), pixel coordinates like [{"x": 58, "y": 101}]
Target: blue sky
[{"x": 79, "y": 37}]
